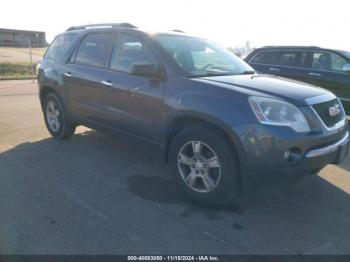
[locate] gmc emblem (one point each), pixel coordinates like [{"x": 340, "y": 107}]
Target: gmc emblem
[{"x": 334, "y": 110}]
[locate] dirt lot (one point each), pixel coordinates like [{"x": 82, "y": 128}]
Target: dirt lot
[
  {"x": 97, "y": 194},
  {"x": 20, "y": 55}
]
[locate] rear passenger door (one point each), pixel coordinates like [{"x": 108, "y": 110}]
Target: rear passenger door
[
  {"x": 84, "y": 77},
  {"x": 287, "y": 63},
  {"x": 293, "y": 64}
]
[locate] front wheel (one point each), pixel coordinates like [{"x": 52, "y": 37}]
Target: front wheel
[
  {"x": 55, "y": 118},
  {"x": 205, "y": 166}
]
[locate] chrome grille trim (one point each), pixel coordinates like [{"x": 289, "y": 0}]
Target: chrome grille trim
[
  {"x": 328, "y": 149},
  {"x": 320, "y": 99},
  {"x": 336, "y": 126}
]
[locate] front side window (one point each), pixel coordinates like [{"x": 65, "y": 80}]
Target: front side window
[
  {"x": 199, "y": 57},
  {"x": 59, "y": 45},
  {"x": 327, "y": 61},
  {"x": 94, "y": 50},
  {"x": 128, "y": 50},
  {"x": 337, "y": 62}
]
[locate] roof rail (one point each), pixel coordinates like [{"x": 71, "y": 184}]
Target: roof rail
[
  {"x": 178, "y": 31},
  {"x": 126, "y": 25},
  {"x": 290, "y": 46}
]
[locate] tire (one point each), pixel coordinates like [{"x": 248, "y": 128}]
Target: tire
[
  {"x": 56, "y": 118},
  {"x": 191, "y": 172}
]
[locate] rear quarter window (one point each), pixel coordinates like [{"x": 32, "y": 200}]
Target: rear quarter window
[
  {"x": 59, "y": 45},
  {"x": 266, "y": 57}
]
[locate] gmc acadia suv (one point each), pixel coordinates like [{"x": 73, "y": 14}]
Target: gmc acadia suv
[{"x": 215, "y": 119}]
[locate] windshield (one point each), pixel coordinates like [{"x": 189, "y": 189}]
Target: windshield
[{"x": 199, "y": 57}]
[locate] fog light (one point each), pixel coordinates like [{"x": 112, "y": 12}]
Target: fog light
[
  {"x": 286, "y": 155},
  {"x": 292, "y": 155}
]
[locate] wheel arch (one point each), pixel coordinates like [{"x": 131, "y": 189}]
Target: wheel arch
[
  {"x": 45, "y": 90},
  {"x": 184, "y": 120}
]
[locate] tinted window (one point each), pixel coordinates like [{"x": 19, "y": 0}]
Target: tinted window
[
  {"x": 267, "y": 57},
  {"x": 59, "y": 45},
  {"x": 327, "y": 61},
  {"x": 293, "y": 59},
  {"x": 304, "y": 59},
  {"x": 94, "y": 50},
  {"x": 128, "y": 50},
  {"x": 288, "y": 59}
]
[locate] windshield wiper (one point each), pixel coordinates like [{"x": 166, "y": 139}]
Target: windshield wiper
[
  {"x": 247, "y": 72},
  {"x": 213, "y": 74}
]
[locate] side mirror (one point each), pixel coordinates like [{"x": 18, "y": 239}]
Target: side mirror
[
  {"x": 346, "y": 68},
  {"x": 145, "y": 69}
]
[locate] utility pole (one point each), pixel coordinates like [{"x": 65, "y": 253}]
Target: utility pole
[{"x": 31, "y": 59}]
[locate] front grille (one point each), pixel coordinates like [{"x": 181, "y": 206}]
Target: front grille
[{"x": 323, "y": 109}]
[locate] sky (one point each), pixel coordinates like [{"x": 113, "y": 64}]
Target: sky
[{"x": 322, "y": 23}]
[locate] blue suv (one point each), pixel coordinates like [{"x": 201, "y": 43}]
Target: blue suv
[{"x": 214, "y": 118}]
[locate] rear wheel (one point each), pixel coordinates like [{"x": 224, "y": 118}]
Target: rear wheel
[
  {"x": 55, "y": 118},
  {"x": 205, "y": 166}
]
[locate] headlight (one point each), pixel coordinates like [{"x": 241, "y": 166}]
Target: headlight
[{"x": 276, "y": 112}]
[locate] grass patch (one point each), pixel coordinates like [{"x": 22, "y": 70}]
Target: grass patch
[
  {"x": 346, "y": 106},
  {"x": 15, "y": 71}
]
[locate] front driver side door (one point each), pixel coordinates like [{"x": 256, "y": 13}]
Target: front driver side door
[
  {"x": 326, "y": 71},
  {"x": 142, "y": 114}
]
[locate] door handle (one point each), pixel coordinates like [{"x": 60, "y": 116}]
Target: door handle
[
  {"x": 107, "y": 83},
  {"x": 274, "y": 69},
  {"x": 314, "y": 74},
  {"x": 134, "y": 92},
  {"x": 68, "y": 74}
]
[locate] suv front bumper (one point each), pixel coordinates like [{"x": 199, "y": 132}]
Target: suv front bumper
[
  {"x": 267, "y": 148},
  {"x": 340, "y": 147}
]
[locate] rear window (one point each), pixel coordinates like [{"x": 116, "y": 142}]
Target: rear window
[
  {"x": 282, "y": 58},
  {"x": 94, "y": 50},
  {"x": 293, "y": 59},
  {"x": 288, "y": 59},
  {"x": 59, "y": 45},
  {"x": 266, "y": 57}
]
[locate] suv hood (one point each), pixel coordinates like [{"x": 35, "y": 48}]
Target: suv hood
[{"x": 287, "y": 89}]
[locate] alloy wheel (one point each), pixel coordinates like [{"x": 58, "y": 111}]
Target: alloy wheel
[
  {"x": 53, "y": 116},
  {"x": 199, "y": 166}
]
